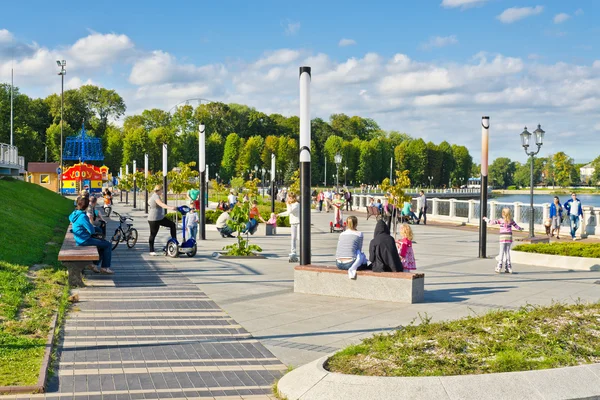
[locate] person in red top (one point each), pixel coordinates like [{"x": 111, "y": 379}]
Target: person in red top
[{"x": 252, "y": 221}]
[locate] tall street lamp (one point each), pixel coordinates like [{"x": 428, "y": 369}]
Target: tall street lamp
[
  {"x": 338, "y": 161},
  {"x": 525, "y": 141},
  {"x": 345, "y": 172},
  {"x": 263, "y": 181},
  {"x": 63, "y": 71}
]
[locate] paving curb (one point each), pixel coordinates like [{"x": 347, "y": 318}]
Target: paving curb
[
  {"x": 554, "y": 261},
  {"x": 40, "y": 386},
  {"x": 313, "y": 381}
]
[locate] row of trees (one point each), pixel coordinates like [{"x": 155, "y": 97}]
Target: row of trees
[
  {"x": 555, "y": 170},
  {"x": 240, "y": 138}
]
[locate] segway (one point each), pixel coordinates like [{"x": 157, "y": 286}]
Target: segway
[{"x": 187, "y": 247}]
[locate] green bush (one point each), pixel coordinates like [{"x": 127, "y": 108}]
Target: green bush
[
  {"x": 591, "y": 250},
  {"x": 512, "y": 187},
  {"x": 212, "y": 216}
]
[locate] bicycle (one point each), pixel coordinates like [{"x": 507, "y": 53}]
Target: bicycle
[{"x": 124, "y": 233}]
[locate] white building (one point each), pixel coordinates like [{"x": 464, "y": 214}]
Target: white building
[{"x": 586, "y": 172}]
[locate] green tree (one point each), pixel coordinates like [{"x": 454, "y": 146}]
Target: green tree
[
  {"x": 53, "y": 140},
  {"x": 448, "y": 163},
  {"x": 103, "y": 104},
  {"x": 135, "y": 145},
  {"x": 75, "y": 111},
  {"x": 250, "y": 155},
  {"x": 595, "y": 178},
  {"x": 183, "y": 178},
  {"x": 501, "y": 172},
  {"x": 401, "y": 156},
  {"x": 417, "y": 161},
  {"x": 230, "y": 156},
  {"x": 476, "y": 170},
  {"x": 113, "y": 153},
  {"x": 464, "y": 163},
  {"x": 564, "y": 169},
  {"x": 434, "y": 164},
  {"x": 214, "y": 150}
]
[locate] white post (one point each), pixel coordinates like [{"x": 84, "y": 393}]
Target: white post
[
  {"x": 493, "y": 210},
  {"x": 471, "y": 217},
  {"x": 305, "y": 160},
  {"x": 202, "y": 178},
  {"x": 435, "y": 207},
  {"x": 452, "y": 212},
  {"x": 11, "y": 106},
  {"x": 517, "y": 216},
  {"x": 146, "y": 183},
  {"x": 164, "y": 171},
  {"x": 126, "y": 169}
]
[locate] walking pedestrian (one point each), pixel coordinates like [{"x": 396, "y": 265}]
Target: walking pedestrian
[
  {"x": 575, "y": 212},
  {"x": 556, "y": 216},
  {"x": 422, "y": 200}
]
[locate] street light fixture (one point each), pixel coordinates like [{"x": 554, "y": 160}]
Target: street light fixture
[
  {"x": 338, "y": 161},
  {"x": 525, "y": 142},
  {"x": 63, "y": 71}
]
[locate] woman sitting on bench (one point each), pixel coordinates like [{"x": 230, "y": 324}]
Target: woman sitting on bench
[
  {"x": 349, "y": 255},
  {"x": 83, "y": 231},
  {"x": 382, "y": 250}
]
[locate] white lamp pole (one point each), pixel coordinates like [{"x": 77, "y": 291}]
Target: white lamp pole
[
  {"x": 202, "y": 169},
  {"x": 146, "y": 185},
  {"x": 164, "y": 171},
  {"x": 305, "y": 158}
]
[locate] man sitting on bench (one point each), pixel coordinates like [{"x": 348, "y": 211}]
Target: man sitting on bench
[{"x": 408, "y": 214}]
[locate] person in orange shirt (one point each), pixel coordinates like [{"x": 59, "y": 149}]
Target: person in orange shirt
[{"x": 252, "y": 221}]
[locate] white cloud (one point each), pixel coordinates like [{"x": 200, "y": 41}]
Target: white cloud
[
  {"x": 5, "y": 36},
  {"x": 98, "y": 49},
  {"x": 292, "y": 28},
  {"x": 560, "y": 18},
  {"x": 435, "y": 100},
  {"x": 346, "y": 42},
  {"x": 282, "y": 56},
  {"x": 514, "y": 14},
  {"x": 160, "y": 67},
  {"x": 579, "y": 12},
  {"x": 439, "y": 41},
  {"x": 461, "y": 3}
]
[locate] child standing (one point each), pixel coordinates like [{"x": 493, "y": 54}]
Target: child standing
[
  {"x": 191, "y": 222},
  {"x": 405, "y": 249},
  {"x": 506, "y": 226}
]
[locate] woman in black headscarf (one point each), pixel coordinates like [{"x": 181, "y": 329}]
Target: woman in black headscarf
[{"x": 382, "y": 250}]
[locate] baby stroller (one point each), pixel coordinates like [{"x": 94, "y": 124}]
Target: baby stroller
[
  {"x": 338, "y": 224},
  {"x": 187, "y": 247}
]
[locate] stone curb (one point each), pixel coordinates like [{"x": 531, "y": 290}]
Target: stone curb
[
  {"x": 313, "y": 381},
  {"x": 553, "y": 261},
  {"x": 40, "y": 386}
]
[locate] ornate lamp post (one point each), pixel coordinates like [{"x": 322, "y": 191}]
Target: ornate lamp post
[
  {"x": 525, "y": 142},
  {"x": 338, "y": 160}
]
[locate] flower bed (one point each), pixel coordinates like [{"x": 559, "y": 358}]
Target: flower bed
[{"x": 531, "y": 338}]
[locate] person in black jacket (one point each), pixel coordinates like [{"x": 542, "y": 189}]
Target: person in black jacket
[{"x": 382, "y": 250}]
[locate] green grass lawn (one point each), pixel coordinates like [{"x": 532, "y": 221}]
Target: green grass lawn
[
  {"x": 591, "y": 250},
  {"x": 499, "y": 341},
  {"x": 33, "y": 221}
]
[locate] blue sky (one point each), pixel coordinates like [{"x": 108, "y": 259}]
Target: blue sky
[{"x": 429, "y": 68}]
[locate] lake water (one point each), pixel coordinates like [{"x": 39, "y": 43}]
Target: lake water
[{"x": 586, "y": 199}]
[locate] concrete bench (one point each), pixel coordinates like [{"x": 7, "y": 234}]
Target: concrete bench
[
  {"x": 399, "y": 287},
  {"x": 76, "y": 258}
]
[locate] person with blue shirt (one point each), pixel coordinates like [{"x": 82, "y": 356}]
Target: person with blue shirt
[
  {"x": 556, "y": 216},
  {"x": 574, "y": 211},
  {"x": 83, "y": 230}
]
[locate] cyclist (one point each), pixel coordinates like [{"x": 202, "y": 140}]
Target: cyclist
[{"x": 156, "y": 217}]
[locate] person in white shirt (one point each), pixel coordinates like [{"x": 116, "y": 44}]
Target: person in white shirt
[
  {"x": 222, "y": 226},
  {"x": 328, "y": 199},
  {"x": 231, "y": 199},
  {"x": 293, "y": 211}
]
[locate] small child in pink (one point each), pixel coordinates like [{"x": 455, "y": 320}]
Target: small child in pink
[
  {"x": 405, "y": 249},
  {"x": 506, "y": 227},
  {"x": 272, "y": 220}
]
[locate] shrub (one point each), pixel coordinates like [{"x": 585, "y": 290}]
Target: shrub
[
  {"x": 591, "y": 250},
  {"x": 212, "y": 216}
]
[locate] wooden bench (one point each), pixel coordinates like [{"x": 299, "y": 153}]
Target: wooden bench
[
  {"x": 398, "y": 287},
  {"x": 372, "y": 211},
  {"x": 76, "y": 258}
]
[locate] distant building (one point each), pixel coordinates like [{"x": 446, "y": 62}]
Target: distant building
[
  {"x": 586, "y": 173},
  {"x": 43, "y": 174}
]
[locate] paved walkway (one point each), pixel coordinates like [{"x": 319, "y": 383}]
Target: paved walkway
[{"x": 213, "y": 328}]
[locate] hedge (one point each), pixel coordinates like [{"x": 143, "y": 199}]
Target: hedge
[{"x": 591, "y": 250}]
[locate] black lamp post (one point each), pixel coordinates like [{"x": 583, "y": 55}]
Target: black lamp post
[{"x": 525, "y": 141}]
